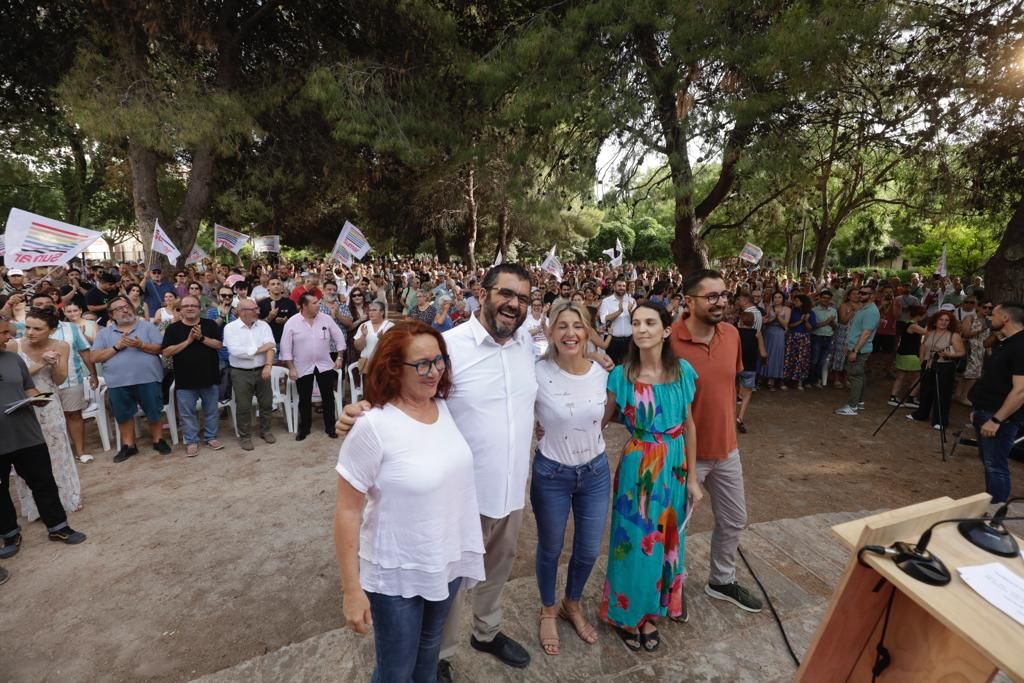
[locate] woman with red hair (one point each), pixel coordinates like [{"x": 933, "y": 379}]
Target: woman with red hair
[
  {"x": 407, "y": 525},
  {"x": 940, "y": 349}
]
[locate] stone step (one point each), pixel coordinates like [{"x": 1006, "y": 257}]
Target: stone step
[{"x": 797, "y": 560}]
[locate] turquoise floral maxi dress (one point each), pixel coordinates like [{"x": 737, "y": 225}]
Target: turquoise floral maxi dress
[{"x": 645, "y": 550}]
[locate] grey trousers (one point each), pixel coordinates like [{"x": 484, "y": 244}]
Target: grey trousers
[
  {"x": 855, "y": 376},
  {"x": 500, "y": 538},
  {"x": 245, "y": 384},
  {"x": 723, "y": 483}
]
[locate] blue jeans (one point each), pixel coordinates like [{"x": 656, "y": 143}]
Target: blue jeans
[
  {"x": 554, "y": 490},
  {"x": 994, "y": 454},
  {"x": 821, "y": 346},
  {"x": 407, "y": 635},
  {"x": 187, "y": 399}
]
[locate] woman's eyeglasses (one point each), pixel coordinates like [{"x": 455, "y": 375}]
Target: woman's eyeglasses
[{"x": 440, "y": 363}]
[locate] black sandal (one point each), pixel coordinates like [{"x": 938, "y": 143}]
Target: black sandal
[
  {"x": 650, "y": 641},
  {"x": 632, "y": 641}
]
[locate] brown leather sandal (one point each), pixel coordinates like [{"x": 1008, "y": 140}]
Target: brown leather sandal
[
  {"x": 549, "y": 643},
  {"x": 584, "y": 629}
]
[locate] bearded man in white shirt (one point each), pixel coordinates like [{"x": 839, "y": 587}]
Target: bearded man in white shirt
[{"x": 614, "y": 314}]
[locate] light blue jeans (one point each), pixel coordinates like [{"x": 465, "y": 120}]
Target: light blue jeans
[{"x": 187, "y": 399}]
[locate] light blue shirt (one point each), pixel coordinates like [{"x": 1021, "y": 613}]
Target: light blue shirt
[
  {"x": 867, "y": 319},
  {"x": 69, "y": 333},
  {"x": 130, "y": 366}
]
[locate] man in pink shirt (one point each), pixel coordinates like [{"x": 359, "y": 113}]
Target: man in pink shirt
[{"x": 306, "y": 349}]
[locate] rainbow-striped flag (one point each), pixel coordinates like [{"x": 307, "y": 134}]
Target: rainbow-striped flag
[
  {"x": 232, "y": 240},
  {"x": 33, "y": 240},
  {"x": 354, "y": 241}
]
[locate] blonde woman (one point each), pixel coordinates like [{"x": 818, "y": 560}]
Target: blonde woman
[{"x": 570, "y": 469}]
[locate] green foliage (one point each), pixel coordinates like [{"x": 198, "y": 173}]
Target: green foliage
[{"x": 969, "y": 244}]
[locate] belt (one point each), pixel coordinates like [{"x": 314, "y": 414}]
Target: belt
[
  {"x": 246, "y": 369},
  {"x": 625, "y": 336}
]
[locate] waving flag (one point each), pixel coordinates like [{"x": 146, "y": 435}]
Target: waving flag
[
  {"x": 33, "y": 240},
  {"x": 266, "y": 243},
  {"x": 353, "y": 240},
  {"x": 497, "y": 259},
  {"x": 615, "y": 253},
  {"x": 941, "y": 268},
  {"x": 340, "y": 253},
  {"x": 3, "y": 243},
  {"x": 552, "y": 265},
  {"x": 196, "y": 255},
  {"x": 232, "y": 240},
  {"x": 162, "y": 244},
  {"x": 751, "y": 253}
]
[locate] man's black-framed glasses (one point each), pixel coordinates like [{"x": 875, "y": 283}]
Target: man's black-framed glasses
[
  {"x": 713, "y": 298},
  {"x": 512, "y": 295},
  {"x": 440, "y": 363}
]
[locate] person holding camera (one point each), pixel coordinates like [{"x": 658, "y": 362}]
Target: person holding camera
[{"x": 940, "y": 349}]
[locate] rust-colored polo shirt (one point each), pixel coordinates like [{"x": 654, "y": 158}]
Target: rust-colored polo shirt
[{"x": 714, "y": 404}]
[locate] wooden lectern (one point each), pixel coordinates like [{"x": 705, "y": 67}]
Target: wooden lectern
[{"x": 935, "y": 633}]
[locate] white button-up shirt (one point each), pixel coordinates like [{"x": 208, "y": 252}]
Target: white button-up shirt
[
  {"x": 493, "y": 392},
  {"x": 621, "y": 326},
  {"x": 242, "y": 341}
]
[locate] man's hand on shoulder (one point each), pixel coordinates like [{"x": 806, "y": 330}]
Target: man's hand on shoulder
[{"x": 348, "y": 416}]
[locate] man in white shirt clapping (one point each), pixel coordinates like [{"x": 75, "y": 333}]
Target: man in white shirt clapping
[{"x": 615, "y": 312}]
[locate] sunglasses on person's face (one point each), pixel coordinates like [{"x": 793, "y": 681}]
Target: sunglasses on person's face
[{"x": 226, "y": 295}]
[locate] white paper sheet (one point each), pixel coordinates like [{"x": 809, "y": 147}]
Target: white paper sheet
[{"x": 999, "y": 586}]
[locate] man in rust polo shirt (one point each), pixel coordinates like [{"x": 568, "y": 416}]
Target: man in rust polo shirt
[{"x": 713, "y": 349}]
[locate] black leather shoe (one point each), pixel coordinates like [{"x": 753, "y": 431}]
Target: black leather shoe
[
  {"x": 504, "y": 648},
  {"x": 125, "y": 453},
  {"x": 444, "y": 671},
  {"x": 300, "y": 436},
  {"x": 333, "y": 435}
]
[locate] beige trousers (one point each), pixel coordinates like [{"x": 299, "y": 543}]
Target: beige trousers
[{"x": 500, "y": 539}]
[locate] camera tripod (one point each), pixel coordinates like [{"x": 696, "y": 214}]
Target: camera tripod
[{"x": 938, "y": 407}]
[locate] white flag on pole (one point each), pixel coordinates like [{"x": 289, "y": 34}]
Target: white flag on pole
[
  {"x": 267, "y": 244},
  {"x": 751, "y": 253},
  {"x": 162, "y": 244},
  {"x": 353, "y": 240},
  {"x": 33, "y": 240},
  {"x": 196, "y": 255},
  {"x": 552, "y": 265},
  {"x": 497, "y": 260},
  {"x": 614, "y": 253},
  {"x": 942, "y": 268}
]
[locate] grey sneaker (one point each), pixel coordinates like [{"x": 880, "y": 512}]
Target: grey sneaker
[
  {"x": 736, "y": 594},
  {"x": 246, "y": 444},
  {"x": 268, "y": 437}
]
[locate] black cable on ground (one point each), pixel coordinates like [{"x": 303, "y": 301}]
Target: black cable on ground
[{"x": 782, "y": 629}]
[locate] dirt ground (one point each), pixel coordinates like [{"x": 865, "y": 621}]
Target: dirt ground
[{"x": 194, "y": 565}]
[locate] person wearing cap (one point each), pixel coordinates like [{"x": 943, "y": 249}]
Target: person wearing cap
[
  {"x": 14, "y": 283},
  {"x": 154, "y": 287}
]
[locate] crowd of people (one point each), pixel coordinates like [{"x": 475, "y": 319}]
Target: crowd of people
[{"x": 464, "y": 371}]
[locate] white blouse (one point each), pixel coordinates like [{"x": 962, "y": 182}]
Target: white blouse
[
  {"x": 421, "y": 524},
  {"x": 570, "y": 409},
  {"x": 371, "y": 336}
]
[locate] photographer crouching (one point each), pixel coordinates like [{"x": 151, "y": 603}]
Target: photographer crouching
[{"x": 998, "y": 397}]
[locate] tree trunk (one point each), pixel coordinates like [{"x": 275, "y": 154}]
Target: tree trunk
[
  {"x": 145, "y": 194},
  {"x": 503, "y": 230},
  {"x": 822, "y": 242},
  {"x": 472, "y": 224},
  {"x": 1004, "y": 272},
  {"x": 444, "y": 255}
]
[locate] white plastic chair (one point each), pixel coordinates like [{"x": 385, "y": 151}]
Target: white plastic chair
[
  {"x": 168, "y": 410},
  {"x": 98, "y": 411},
  {"x": 293, "y": 396},
  {"x": 355, "y": 392},
  {"x": 282, "y": 398}
]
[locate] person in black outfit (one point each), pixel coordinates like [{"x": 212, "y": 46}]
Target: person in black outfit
[
  {"x": 998, "y": 399},
  {"x": 277, "y": 309},
  {"x": 99, "y": 297},
  {"x": 194, "y": 343},
  {"x": 24, "y": 448}
]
